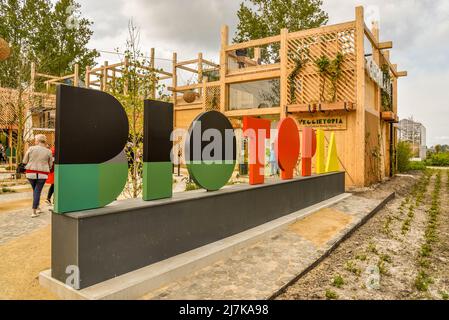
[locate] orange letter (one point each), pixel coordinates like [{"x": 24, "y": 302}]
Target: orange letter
[
  {"x": 257, "y": 130},
  {"x": 308, "y": 150},
  {"x": 287, "y": 147}
]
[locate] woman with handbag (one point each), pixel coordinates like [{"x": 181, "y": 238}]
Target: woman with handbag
[{"x": 38, "y": 161}]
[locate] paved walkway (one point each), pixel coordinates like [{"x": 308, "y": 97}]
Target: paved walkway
[{"x": 259, "y": 271}]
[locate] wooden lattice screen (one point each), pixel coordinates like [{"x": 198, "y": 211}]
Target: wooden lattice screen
[
  {"x": 212, "y": 98},
  {"x": 309, "y": 82}
]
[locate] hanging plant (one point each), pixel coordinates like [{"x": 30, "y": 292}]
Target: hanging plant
[
  {"x": 332, "y": 70},
  {"x": 300, "y": 58},
  {"x": 189, "y": 96},
  {"x": 322, "y": 64},
  {"x": 387, "y": 101}
]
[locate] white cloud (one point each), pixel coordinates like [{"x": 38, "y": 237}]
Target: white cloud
[{"x": 418, "y": 28}]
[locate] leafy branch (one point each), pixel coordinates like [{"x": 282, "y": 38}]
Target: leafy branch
[{"x": 332, "y": 70}]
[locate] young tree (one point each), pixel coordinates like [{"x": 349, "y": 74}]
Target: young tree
[
  {"x": 54, "y": 37},
  {"x": 139, "y": 82},
  {"x": 265, "y": 18}
]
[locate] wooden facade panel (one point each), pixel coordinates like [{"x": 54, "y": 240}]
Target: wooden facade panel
[{"x": 185, "y": 117}]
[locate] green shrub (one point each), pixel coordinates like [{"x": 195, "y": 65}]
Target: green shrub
[
  {"x": 404, "y": 153},
  {"x": 439, "y": 160},
  {"x": 190, "y": 186},
  {"x": 417, "y": 165}
]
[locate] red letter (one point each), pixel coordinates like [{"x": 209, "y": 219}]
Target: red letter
[
  {"x": 257, "y": 130},
  {"x": 308, "y": 150},
  {"x": 287, "y": 147}
]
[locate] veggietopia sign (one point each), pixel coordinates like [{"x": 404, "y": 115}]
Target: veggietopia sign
[{"x": 92, "y": 130}]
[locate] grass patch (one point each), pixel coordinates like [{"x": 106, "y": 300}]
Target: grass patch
[
  {"x": 338, "y": 281},
  {"x": 331, "y": 295},
  {"x": 352, "y": 267},
  {"x": 361, "y": 257},
  {"x": 423, "y": 281},
  {"x": 190, "y": 186},
  {"x": 372, "y": 248}
]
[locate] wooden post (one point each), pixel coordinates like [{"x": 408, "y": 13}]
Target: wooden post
[
  {"x": 105, "y": 76},
  {"x": 125, "y": 74},
  {"x": 200, "y": 72},
  {"x": 257, "y": 54},
  {"x": 153, "y": 74},
  {"x": 87, "y": 77},
  {"x": 113, "y": 80},
  {"x": 284, "y": 73},
  {"x": 204, "y": 94},
  {"x": 376, "y": 58},
  {"x": 359, "y": 156},
  {"x": 76, "y": 81},
  {"x": 33, "y": 77},
  {"x": 223, "y": 67},
  {"x": 10, "y": 147},
  {"x": 174, "y": 85}
]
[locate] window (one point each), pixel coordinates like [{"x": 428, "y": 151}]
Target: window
[{"x": 254, "y": 94}]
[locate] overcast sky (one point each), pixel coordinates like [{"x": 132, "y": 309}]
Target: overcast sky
[{"x": 418, "y": 28}]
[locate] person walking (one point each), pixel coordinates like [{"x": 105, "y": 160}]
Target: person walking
[
  {"x": 2, "y": 153},
  {"x": 38, "y": 160},
  {"x": 273, "y": 161},
  {"x": 51, "y": 178}
]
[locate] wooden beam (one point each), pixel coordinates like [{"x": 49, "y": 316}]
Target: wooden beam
[
  {"x": 183, "y": 63},
  {"x": 321, "y": 30},
  {"x": 402, "y": 74},
  {"x": 174, "y": 82},
  {"x": 284, "y": 73},
  {"x": 210, "y": 63},
  {"x": 104, "y": 83},
  {"x": 185, "y": 88},
  {"x": 359, "y": 136},
  {"x": 76, "y": 80},
  {"x": 223, "y": 67},
  {"x": 126, "y": 84},
  {"x": 87, "y": 77},
  {"x": 253, "y": 43},
  {"x": 33, "y": 76},
  {"x": 42, "y": 75},
  {"x": 187, "y": 69},
  {"x": 385, "y": 45},
  {"x": 153, "y": 80},
  {"x": 200, "y": 73},
  {"x": 252, "y": 76},
  {"x": 253, "y": 112},
  {"x": 70, "y": 76}
]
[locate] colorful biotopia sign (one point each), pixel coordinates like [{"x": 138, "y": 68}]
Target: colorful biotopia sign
[{"x": 91, "y": 168}]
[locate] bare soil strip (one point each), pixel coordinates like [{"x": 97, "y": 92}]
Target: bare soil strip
[{"x": 384, "y": 258}]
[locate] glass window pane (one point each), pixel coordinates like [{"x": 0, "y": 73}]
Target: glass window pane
[{"x": 254, "y": 94}]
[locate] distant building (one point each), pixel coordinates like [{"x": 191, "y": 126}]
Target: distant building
[{"x": 414, "y": 133}]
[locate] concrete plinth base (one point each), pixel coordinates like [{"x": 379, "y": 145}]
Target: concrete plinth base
[
  {"x": 135, "y": 284},
  {"x": 101, "y": 244}
]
